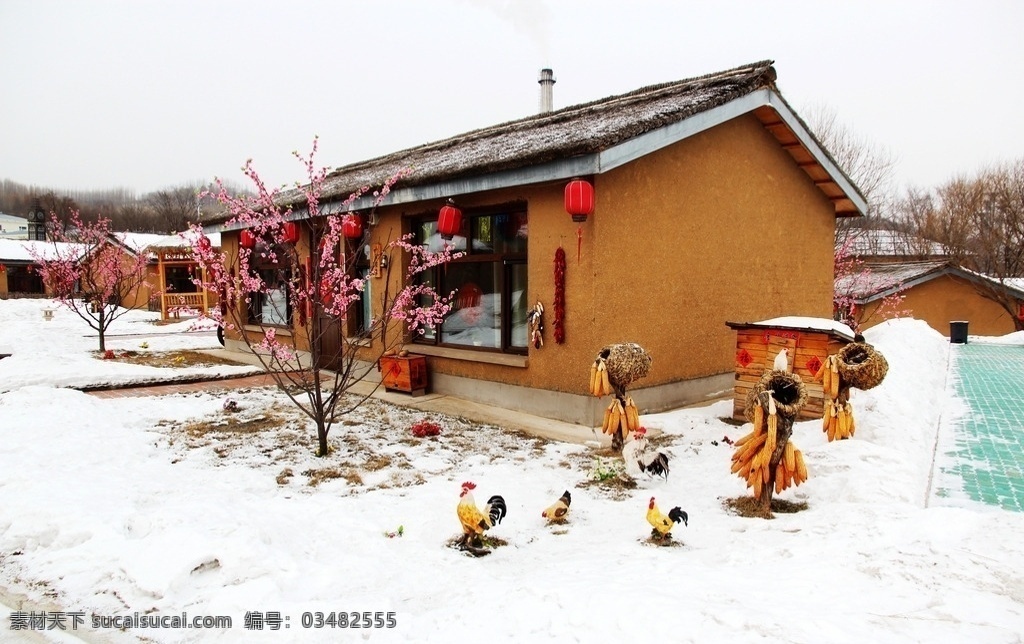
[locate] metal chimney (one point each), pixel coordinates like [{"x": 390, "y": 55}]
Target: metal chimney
[{"x": 547, "y": 82}]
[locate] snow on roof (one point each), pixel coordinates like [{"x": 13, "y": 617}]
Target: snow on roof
[
  {"x": 19, "y": 250},
  {"x": 800, "y": 323},
  {"x": 181, "y": 240},
  {"x": 876, "y": 278},
  {"x": 882, "y": 278},
  {"x": 891, "y": 243},
  {"x": 137, "y": 241}
]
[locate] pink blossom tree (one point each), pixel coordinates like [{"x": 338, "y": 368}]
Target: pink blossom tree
[
  {"x": 307, "y": 340},
  {"x": 853, "y": 281},
  {"x": 88, "y": 272}
]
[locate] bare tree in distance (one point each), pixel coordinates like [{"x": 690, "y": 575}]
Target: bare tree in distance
[
  {"x": 167, "y": 210},
  {"x": 980, "y": 221},
  {"x": 174, "y": 208},
  {"x": 869, "y": 165}
]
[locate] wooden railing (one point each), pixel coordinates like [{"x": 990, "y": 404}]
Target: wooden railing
[{"x": 175, "y": 303}]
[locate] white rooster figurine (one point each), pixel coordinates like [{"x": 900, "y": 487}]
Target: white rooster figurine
[{"x": 639, "y": 458}]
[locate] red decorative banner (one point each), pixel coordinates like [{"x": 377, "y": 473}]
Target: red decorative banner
[
  {"x": 743, "y": 357},
  {"x": 813, "y": 364}
]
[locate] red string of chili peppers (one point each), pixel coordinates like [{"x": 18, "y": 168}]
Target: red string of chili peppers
[{"x": 559, "y": 323}]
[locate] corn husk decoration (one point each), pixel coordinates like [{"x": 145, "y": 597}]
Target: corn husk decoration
[
  {"x": 751, "y": 458},
  {"x": 837, "y": 416},
  {"x": 621, "y": 418},
  {"x": 600, "y": 384}
]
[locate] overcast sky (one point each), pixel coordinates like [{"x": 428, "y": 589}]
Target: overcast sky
[{"x": 151, "y": 94}]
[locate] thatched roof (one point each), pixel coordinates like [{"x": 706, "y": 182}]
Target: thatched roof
[
  {"x": 568, "y": 133},
  {"x": 881, "y": 279}
]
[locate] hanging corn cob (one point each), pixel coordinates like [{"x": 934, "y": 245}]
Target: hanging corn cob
[
  {"x": 751, "y": 460},
  {"x": 837, "y": 416},
  {"x": 632, "y": 416},
  {"x": 600, "y": 385}
]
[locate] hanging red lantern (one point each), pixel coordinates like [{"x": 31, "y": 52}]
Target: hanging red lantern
[
  {"x": 289, "y": 232},
  {"x": 449, "y": 220},
  {"x": 579, "y": 199},
  {"x": 352, "y": 226},
  {"x": 247, "y": 239}
]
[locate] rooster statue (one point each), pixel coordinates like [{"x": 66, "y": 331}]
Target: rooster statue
[
  {"x": 555, "y": 513},
  {"x": 475, "y": 521},
  {"x": 662, "y": 525},
  {"x": 639, "y": 458}
]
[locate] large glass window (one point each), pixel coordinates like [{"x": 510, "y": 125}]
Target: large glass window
[
  {"x": 489, "y": 310},
  {"x": 273, "y": 307}
]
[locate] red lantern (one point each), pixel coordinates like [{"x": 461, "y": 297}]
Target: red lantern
[
  {"x": 579, "y": 199},
  {"x": 352, "y": 226},
  {"x": 247, "y": 239},
  {"x": 449, "y": 220},
  {"x": 289, "y": 232}
]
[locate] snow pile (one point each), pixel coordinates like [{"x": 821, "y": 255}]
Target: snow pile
[{"x": 174, "y": 504}]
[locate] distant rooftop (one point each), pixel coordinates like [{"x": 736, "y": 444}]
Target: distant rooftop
[{"x": 892, "y": 243}]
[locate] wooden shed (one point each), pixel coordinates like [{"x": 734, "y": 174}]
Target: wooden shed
[{"x": 809, "y": 340}]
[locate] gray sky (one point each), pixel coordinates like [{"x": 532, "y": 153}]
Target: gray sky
[{"x": 147, "y": 94}]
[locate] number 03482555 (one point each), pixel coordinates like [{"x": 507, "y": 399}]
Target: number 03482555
[{"x": 345, "y": 619}]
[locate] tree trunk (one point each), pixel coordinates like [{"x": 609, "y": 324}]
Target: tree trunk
[
  {"x": 102, "y": 325},
  {"x": 321, "y": 436}
]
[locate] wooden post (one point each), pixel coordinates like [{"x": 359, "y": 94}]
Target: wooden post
[{"x": 163, "y": 285}]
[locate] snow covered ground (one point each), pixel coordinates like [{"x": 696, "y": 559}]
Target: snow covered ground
[{"x": 173, "y": 505}]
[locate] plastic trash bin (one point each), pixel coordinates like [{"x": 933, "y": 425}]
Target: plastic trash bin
[{"x": 958, "y": 332}]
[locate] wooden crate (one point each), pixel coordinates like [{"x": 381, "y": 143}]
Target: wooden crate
[
  {"x": 404, "y": 373},
  {"x": 809, "y": 343}
]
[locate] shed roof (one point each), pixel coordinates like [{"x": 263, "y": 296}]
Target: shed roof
[
  {"x": 800, "y": 323},
  {"x": 592, "y": 138}
]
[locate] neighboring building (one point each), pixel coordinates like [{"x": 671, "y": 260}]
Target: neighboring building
[
  {"x": 19, "y": 275},
  {"x": 172, "y": 272},
  {"x": 714, "y": 202},
  {"x": 878, "y": 246},
  {"x": 12, "y": 227},
  {"x": 938, "y": 292}
]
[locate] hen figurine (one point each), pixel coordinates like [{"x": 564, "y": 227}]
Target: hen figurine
[
  {"x": 556, "y": 511},
  {"x": 475, "y": 521},
  {"x": 663, "y": 524}
]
